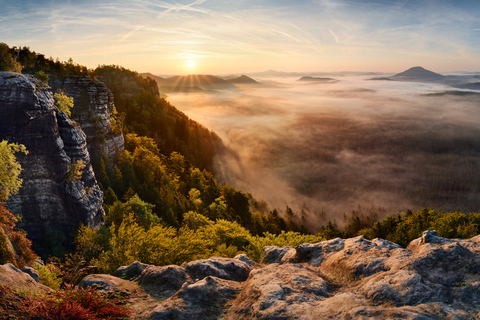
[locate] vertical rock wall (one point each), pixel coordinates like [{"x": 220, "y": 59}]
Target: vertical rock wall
[
  {"x": 46, "y": 202},
  {"x": 94, "y": 108}
]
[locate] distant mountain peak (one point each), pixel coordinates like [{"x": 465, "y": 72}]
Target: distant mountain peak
[
  {"x": 318, "y": 79},
  {"x": 243, "y": 79},
  {"x": 419, "y": 73}
]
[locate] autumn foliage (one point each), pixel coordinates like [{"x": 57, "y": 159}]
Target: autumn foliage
[{"x": 74, "y": 304}]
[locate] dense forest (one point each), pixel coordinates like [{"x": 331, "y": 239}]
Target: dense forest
[{"x": 162, "y": 202}]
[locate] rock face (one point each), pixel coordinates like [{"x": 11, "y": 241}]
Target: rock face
[
  {"x": 434, "y": 278},
  {"x": 94, "y": 110},
  {"x": 47, "y": 202}
]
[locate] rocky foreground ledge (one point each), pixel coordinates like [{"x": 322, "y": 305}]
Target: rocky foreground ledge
[{"x": 433, "y": 278}]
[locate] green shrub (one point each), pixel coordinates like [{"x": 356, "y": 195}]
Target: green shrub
[
  {"x": 63, "y": 103},
  {"x": 21, "y": 254},
  {"x": 76, "y": 170},
  {"x": 43, "y": 77},
  {"x": 48, "y": 276}
]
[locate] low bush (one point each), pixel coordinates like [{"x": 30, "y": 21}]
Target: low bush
[{"x": 73, "y": 303}]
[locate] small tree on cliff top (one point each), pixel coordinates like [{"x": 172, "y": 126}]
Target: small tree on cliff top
[{"x": 64, "y": 103}]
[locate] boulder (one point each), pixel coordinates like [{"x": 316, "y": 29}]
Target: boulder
[
  {"x": 110, "y": 285},
  {"x": 204, "y": 299},
  {"x": 225, "y": 268},
  {"x": 274, "y": 254},
  {"x": 32, "y": 272},
  {"x": 314, "y": 254},
  {"x": 280, "y": 292},
  {"x": 429, "y": 236},
  {"x": 131, "y": 271},
  {"x": 244, "y": 258},
  {"x": 361, "y": 258},
  {"x": 163, "y": 282},
  {"x": 19, "y": 280}
]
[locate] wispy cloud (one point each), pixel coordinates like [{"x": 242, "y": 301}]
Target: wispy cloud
[
  {"x": 270, "y": 34},
  {"x": 334, "y": 36},
  {"x": 178, "y": 8}
]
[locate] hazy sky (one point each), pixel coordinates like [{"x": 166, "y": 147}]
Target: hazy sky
[{"x": 219, "y": 36}]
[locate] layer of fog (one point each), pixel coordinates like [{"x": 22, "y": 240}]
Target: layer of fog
[{"x": 328, "y": 148}]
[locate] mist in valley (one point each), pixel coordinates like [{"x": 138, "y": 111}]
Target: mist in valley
[{"x": 325, "y": 149}]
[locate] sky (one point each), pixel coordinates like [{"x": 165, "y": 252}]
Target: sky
[{"x": 242, "y": 36}]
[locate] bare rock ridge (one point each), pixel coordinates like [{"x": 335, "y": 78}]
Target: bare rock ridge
[
  {"x": 47, "y": 202},
  {"x": 433, "y": 278}
]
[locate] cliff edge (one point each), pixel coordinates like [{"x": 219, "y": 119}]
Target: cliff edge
[
  {"x": 47, "y": 202},
  {"x": 94, "y": 110},
  {"x": 433, "y": 278}
]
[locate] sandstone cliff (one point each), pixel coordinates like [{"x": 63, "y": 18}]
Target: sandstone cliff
[
  {"x": 47, "y": 202},
  {"x": 434, "y": 278},
  {"x": 94, "y": 111}
]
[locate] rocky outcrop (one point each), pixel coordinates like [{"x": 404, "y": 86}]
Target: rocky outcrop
[
  {"x": 199, "y": 289},
  {"x": 47, "y": 202},
  {"x": 94, "y": 109},
  {"x": 434, "y": 278},
  {"x": 25, "y": 280}
]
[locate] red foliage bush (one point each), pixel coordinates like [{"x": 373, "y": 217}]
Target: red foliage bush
[
  {"x": 24, "y": 255},
  {"x": 73, "y": 304}
]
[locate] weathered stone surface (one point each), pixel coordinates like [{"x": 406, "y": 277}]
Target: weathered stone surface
[
  {"x": 132, "y": 271},
  {"x": 273, "y": 254},
  {"x": 314, "y": 254},
  {"x": 401, "y": 287},
  {"x": 225, "y": 268},
  {"x": 472, "y": 244},
  {"x": 104, "y": 282},
  {"x": 364, "y": 258},
  {"x": 338, "y": 279},
  {"x": 163, "y": 282},
  {"x": 46, "y": 202},
  {"x": 275, "y": 291},
  {"x": 204, "y": 299},
  {"x": 246, "y": 259},
  {"x": 93, "y": 109},
  {"x": 430, "y": 311},
  {"x": 429, "y": 236},
  {"x": 19, "y": 280},
  {"x": 32, "y": 272}
]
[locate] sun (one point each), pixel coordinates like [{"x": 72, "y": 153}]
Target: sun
[{"x": 191, "y": 64}]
